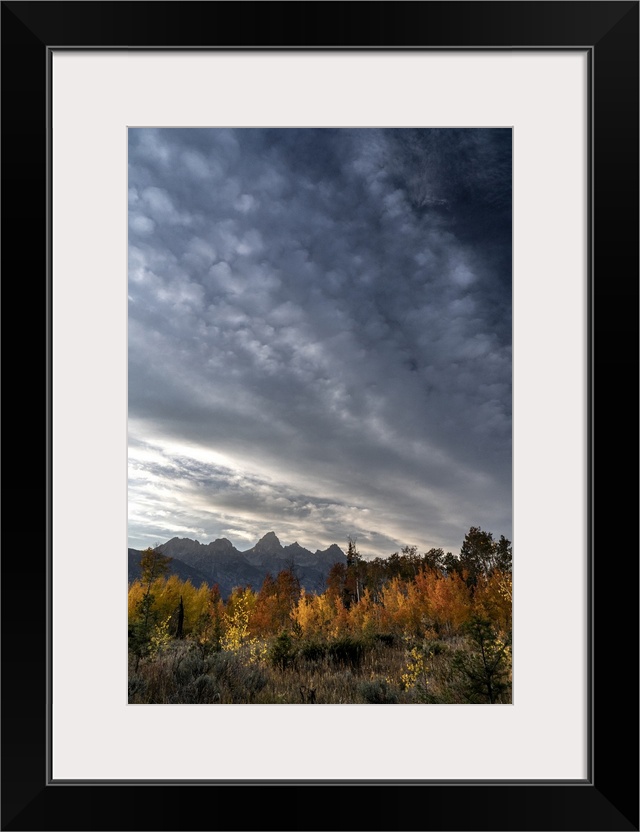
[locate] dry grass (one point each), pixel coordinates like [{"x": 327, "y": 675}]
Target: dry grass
[{"x": 286, "y": 671}]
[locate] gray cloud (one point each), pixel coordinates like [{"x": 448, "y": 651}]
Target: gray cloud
[{"x": 329, "y": 313}]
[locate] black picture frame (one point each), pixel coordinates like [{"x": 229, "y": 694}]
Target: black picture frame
[{"x": 608, "y": 798}]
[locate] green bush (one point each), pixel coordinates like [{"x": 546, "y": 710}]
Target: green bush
[{"x": 281, "y": 653}]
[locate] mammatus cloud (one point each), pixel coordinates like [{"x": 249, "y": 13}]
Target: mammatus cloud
[{"x": 320, "y": 335}]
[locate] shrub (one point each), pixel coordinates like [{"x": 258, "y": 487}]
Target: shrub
[
  {"x": 137, "y": 687},
  {"x": 236, "y": 681},
  {"x": 347, "y": 651},
  {"x": 199, "y": 691},
  {"x": 313, "y": 651},
  {"x": 388, "y": 639},
  {"x": 377, "y": 692},
  {"x": 188, "y": 666}
]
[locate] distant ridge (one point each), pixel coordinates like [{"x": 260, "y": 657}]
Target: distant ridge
[{"x": 219, "y": 562}]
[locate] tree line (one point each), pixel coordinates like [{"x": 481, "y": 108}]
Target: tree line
[{"x": 431, "y": 625}]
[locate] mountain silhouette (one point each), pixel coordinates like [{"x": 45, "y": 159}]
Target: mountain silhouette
[{"x": 219, "y": 562}]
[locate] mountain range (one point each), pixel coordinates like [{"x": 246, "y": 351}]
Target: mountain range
[{"x": 221, "y": 563}]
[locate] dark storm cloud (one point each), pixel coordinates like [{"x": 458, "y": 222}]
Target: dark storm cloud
[{"x": 329, "y": 312}]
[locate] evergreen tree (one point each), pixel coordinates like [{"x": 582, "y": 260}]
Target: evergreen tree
[
  {"x": 485, "y": 669},
  {"x": 504, "y": 555},
  {"x": 476, "y": 554}
]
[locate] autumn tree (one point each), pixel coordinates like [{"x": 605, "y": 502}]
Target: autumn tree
[
  {"x": 319, "y": 616},
  {"x": 209, "y": 630},
  {"x": 450, "y": 603},
  {"x": 336, "y": 581},
  {"x": 287, "y": 593},
  {"x": 240, "y": 606},
  {"x": 276, "y": 602},
  {"x": 167, "y": 593},
  {"x": 364, "y": 617},
  {"x": 396, "y": 612},
  {"x": 266, "y": 602},
  {"x": 153, "y": 565},
  {"x": 419, "y": 593},
  {"x": 216, "y": 612},
  {"x": 492, "y": 600}
]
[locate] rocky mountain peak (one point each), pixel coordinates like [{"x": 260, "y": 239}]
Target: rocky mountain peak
[{"x": 268, "y": 545}]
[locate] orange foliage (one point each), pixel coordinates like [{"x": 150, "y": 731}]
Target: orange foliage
[
  {"x": 364, "y": 618},
  {"x": 419, "y": 601},
  {"x": 492, "y": 599},
  {"x": 396, "y": 613},
  {"x": 451, "y": 602},
  {"x": 275, "y": 604}
]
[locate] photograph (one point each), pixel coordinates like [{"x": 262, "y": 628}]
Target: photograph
[{"x": 319, "y": 415}]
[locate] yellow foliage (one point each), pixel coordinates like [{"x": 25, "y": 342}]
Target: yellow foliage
[
  {"x": 237, "y": 614},
  {"x": 396, "y": 612},
  {"x": 160, "y": 637},
  {"x": 166, "y": 593},
  {"x": 493, "y": 600},
  {"x": 317, "y": 615},
  {"x": 416, "y": 674},
  {"x": 136, "y": 591},
  {"x": 409, "y": 608},
  {"x": 365, "y": 616}
]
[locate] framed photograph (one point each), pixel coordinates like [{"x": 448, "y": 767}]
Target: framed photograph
[{"x": 462, "y": 175}]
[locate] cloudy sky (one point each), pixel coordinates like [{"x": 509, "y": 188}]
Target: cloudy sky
[{"x": 319, "y": 336}]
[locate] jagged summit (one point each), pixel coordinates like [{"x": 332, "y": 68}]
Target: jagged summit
[
  {"x": 270, "y": 536},
  {"x": 267, "y": 544}
]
